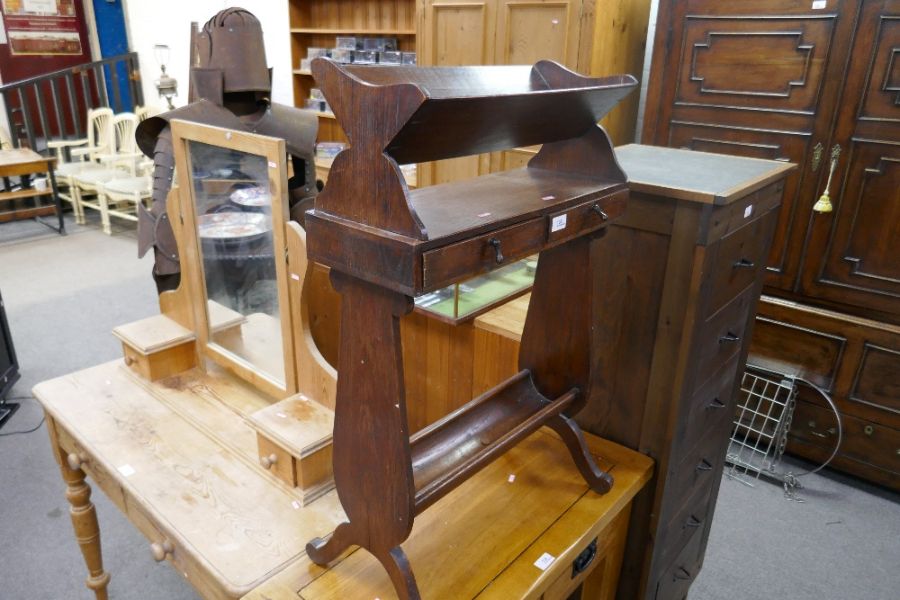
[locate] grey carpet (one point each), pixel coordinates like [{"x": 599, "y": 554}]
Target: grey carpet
[{"x": 65, "y": 294}]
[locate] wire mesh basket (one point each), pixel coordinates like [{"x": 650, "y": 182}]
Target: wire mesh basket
[
  {"x": 762, "y": 420},
  {"x": 761, "y": 423}
]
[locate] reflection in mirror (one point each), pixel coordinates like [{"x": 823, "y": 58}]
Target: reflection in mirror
[{"x": 233, "y": 204}]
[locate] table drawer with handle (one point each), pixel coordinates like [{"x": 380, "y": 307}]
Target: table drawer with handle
[{"x": 445, "y": 265}]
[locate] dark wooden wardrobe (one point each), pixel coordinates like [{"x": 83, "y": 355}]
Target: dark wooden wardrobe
[{"x": 816, "y": 83}]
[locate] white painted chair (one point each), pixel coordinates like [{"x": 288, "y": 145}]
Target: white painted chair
[
  {"x": 83, "y": 153},
  {"x": 121, "y": 197},
  {"x": 145, "y": 112},
  {"x": 120, "y": 163}
]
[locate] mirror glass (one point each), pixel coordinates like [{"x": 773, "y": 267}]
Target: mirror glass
[{"x": 233, "y": 204}]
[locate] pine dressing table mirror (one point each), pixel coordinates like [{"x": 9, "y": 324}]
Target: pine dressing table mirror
[
  {"x": 239, "y": 313},
  {"x": 234, "y": 205}
]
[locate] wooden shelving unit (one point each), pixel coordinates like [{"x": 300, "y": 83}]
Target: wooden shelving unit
[
  {"x": 316, "y": 23},
  {"x": 386, "y": 243}
]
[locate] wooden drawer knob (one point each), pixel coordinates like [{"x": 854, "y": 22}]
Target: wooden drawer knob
[
  {"x": 129, "y": 360},
  {"x": 160, "y": 550},
  {"x": 76, "y": 461},
  {"x": 269, "y": 461}
]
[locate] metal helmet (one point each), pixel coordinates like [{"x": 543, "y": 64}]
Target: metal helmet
[{"x": 231, "y": 44}]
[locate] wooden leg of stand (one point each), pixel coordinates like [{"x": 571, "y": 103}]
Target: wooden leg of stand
[
  {"x": 599, "y": 480},
  {"x": 372, "y": 463},
  {"x": 84, "y": 521},
  {"x": 397, "y": 566},
  {"x": 323, "y": 552}
]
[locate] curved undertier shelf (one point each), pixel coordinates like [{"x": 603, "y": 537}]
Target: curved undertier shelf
[{"x": 453, "y": 449}]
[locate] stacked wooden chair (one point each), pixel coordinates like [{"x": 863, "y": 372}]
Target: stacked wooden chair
[{"x": 81, "y": 155}]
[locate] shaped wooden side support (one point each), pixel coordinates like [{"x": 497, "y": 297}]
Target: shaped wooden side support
[
  {"x": 385, "y": 243},
  {"x": 372, "y": 469},
  {"x": 556, "y": 341}
]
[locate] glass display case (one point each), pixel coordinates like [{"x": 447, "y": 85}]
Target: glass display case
[{"x": 468, "y": 299}]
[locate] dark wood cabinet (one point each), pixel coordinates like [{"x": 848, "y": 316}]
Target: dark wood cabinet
[
  {"x": 807, "y": 82},
  {"x": 677, "y": 312}
]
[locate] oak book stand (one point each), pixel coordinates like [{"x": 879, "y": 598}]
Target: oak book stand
[{"x": 386, "y": 243}]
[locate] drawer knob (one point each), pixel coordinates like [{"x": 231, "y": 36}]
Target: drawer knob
[
  {"x": 129, "y": 360},
  {"x": 729, "y": 337},
  {"x": 160, "y": 550},
  {"x": 75, "y": 460},
  {"x": 693, "y": 522},
  {"x": 682, "y": 573},
  {"x": 269, "y": 461},
  {"x": 715, "y": 403},
  {"x": 744, "y": 264},
  {"x": 704, "y": 465},
  {"x": 868, "y": 430},
  {"x": 497, "y": 252},
  {"x": 596, "y": 208}
]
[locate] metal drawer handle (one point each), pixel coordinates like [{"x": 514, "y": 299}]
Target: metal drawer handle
[
  {"x": 584, "y": 560},
  {"x": 160, "y": 550},
  {"x": 496, "y": 244},
  {"x": 693, "y": 522},
  {"x": 715, "y": 403},
  {"x": 744, "y": 264},
  {"x": 596, "y": 208},
  {"x": 831, "y": 431},
  {"x": 729, "y": 337},
  {"x": 704, "y": 465},
  {"x": 682, "y": 573}
]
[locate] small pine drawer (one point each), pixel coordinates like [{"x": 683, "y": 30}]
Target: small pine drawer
[{"x": 157, "y": 347}]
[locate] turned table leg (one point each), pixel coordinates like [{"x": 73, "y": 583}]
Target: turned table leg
[{"x": 84, "y": 521}]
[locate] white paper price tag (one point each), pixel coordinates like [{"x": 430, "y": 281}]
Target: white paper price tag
[
  {"x": 544, "y": 561},
  {"x": 126, "y": 470},
  {"x": 558, "y": 223},
  {"x": 748, "y": 211},
  {"x": 819, "y": 4}
]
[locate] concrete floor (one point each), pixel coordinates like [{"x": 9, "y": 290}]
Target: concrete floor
[{"x": 64, "y": 294}]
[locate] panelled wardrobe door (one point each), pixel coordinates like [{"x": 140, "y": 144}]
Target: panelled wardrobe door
[
  {"x": 854, "y": 252},
  {"x": 454, "y": 33},
  {"x": 753, "y": 79}
]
